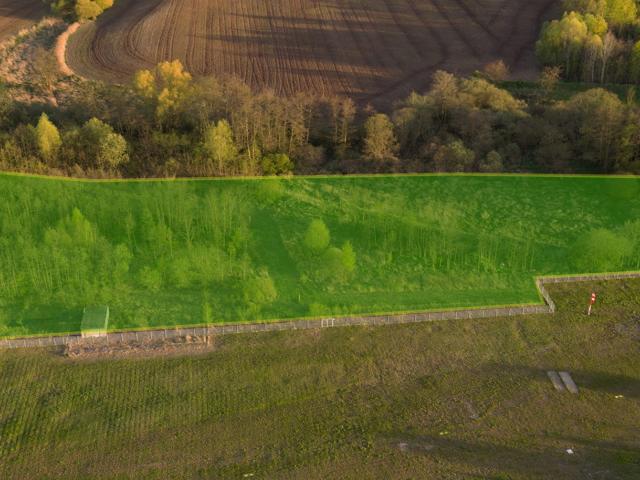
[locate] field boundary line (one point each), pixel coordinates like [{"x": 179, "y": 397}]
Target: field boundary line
[
  {"x": 284, "y": 178},
  {"x": 548, "y": 307}
]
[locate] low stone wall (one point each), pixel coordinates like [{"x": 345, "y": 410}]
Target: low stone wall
[{"x": 476, "y": 313}]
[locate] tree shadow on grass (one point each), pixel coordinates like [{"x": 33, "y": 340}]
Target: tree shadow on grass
[
  {"x": 482, "y": 459},
  {"x": 604, "y": 382},
  {"x": 609, "y": 456},
  {"x": 40, "y": 320}
]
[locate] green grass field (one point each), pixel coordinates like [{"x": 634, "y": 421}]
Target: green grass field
[
  {"x": 566, "y": 90},
  {"x": 469, "y": 399},
  {"x": 164, "y": 253}
]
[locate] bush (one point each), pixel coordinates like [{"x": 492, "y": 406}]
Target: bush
[
  {"x": 318, "y": 310},
  {"x": 317, "y": 237},
  {"x": 277, "y": 164},
  {"x": 348, "y": 257},
  {"x": 496, "y": 71},
  {"x": 453, "y": 157},
  {"x": 259, "y": 291},
  {"x": 150, "y": 279},
  {"x": 492, "y": 162},
  {"x": 332, "y": 265},
  {"x": 270, "y": 190}
]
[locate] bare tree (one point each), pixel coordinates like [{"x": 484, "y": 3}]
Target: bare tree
[
  {"x": 496, "y": 71},
  {"x": 609, "y": 45},
  {"x": 592, "y": 52}
]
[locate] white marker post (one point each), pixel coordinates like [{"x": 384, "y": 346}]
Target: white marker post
[{"x": 593, "y": 300}]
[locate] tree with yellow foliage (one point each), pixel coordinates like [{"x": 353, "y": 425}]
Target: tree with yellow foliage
[
  {"x": 167, "y": 86},
  {"x": 220, "y": 149},
  {"x": 47, "y": 138}
]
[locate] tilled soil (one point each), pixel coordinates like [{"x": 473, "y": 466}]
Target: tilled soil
[
  {"x": 374, "y": 50},
  {"x": 16, "y": 15}
]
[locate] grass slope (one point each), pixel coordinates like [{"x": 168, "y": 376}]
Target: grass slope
[
  {"x": 162, "y": 253},
  {"x": 469, "y": 400}
]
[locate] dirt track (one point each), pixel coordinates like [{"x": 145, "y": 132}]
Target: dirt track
[
  {"x": 374, "y": 50},
  {"x": 18, "y": 14}
]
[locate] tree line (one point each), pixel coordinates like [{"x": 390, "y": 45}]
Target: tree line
[
  {"x": 167, "y": 123},
  {"x": 594, "y": 41}
]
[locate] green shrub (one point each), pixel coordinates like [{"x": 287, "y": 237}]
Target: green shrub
[
  {"x": 260, "y": 291},
  {"x": 348, "y": 257},
  {"x": 277, "y": 164},
  {"x": 150, "y": 279},
  {"x": 317, "y": 237}
]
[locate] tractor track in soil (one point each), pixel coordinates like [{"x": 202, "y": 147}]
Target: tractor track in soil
[{"x": 372, "y": 51}]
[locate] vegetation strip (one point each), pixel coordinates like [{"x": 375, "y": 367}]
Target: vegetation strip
[
  {"x": 164, "y": 254},
  {"x": 111, "y": 337}
]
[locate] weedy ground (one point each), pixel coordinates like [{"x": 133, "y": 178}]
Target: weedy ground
[{"x": 456, "y": 399}]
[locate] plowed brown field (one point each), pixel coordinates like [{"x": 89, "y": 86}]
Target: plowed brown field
[
  {"x": 18, "y": 14},
  {"x": 373, "y": 50}
]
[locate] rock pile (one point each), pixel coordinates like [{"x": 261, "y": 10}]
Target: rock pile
[{"x": 99, "y": 347}]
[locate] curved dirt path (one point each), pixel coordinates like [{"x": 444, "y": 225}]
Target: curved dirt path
[{"x": 61, "y": 48}]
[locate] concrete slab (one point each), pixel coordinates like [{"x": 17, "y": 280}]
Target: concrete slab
[
  {"x": 568, "y": 382},
  {"x": 555, "y": 379}
]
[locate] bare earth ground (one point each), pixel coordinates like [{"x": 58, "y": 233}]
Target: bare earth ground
[
  {"x": 373, "y": 50},
  {"x": 18, "y": 14}
]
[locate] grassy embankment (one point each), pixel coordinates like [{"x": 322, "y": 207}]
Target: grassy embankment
[
  {"x": 469, "y": 400},
  {"x": 164, "y": 253}
]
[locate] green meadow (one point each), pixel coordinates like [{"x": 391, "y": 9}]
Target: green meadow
[{"x": 184, "y": 252}]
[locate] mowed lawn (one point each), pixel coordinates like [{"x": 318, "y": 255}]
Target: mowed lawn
[
  {"x": 456, "y": 399},
  {"x": 185, "y": 252}
]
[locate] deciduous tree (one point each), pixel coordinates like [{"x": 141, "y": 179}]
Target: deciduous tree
[
  {"x": 496, "y": 71},
  {"x": 220, "y": 148},
  {"x": 47, "y": 138},
  {"x": 453, "y": 157},
  {"x": 380, "y": 143},
  {"x": 87, "y": 9},
  {"x": 596, "y": 119},
  {"x": 277, "y": 164}
]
